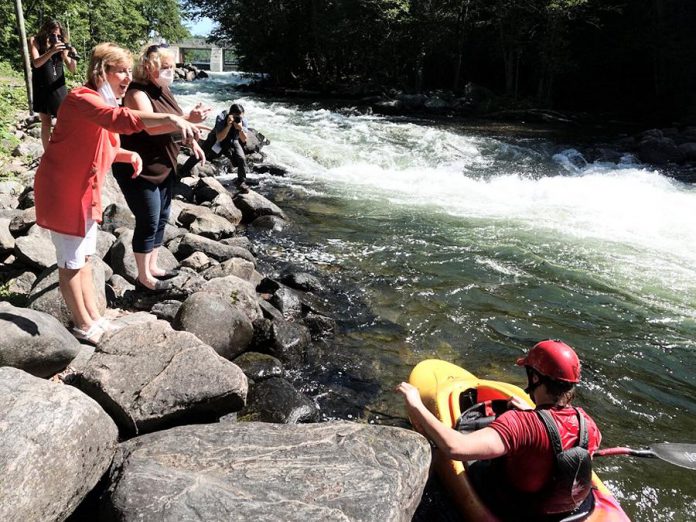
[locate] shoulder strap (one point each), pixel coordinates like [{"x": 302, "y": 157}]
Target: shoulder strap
[
  {"x": 552, "y": 430},
  {"x": 583, "y": 436}
]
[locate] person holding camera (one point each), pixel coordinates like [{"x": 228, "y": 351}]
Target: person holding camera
[
  {"x": 49, "y": 52},
  {"x": 149, "y": 196},
  {"x": 227, "y": 137}
]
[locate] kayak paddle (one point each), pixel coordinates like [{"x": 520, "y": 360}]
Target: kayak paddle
[{"x": 683, "y": 455}]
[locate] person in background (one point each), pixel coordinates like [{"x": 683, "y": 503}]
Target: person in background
[
  {"x": 49, "y": 50},
  {"x": 227, "y": 137},
  {"x": 149, "y": 195},
  {"x": 541, "y": 468},
  {"x": 68, "y": 181}
]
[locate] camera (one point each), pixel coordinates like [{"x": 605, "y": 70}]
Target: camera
[
  {"x": 72, "y": 53},
  {"x": 237, "y": 118}
]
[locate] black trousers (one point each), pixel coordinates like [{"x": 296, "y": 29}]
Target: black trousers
[{"x": 235, "y": 153}]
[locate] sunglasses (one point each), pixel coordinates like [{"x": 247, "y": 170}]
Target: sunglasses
[{"x": 155, "y": 47}]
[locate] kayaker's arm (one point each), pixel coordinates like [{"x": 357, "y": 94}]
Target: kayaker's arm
[{"x": 480, "y": 445}]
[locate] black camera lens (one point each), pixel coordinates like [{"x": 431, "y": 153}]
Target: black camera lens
[
  {"x": 237, "y": 119},
  {"x": 53, "y": 38}
]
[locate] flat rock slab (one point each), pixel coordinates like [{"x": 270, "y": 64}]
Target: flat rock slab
[
  {"x": 148, "y": 376},
  {"x": 256, "y": 471},
  {"x": 55, "y": 444}
]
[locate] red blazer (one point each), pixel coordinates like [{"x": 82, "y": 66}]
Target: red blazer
[{"x": 84, "y": 143}]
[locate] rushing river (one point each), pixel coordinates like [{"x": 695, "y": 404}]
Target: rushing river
[{"x": 470, "y": 245}]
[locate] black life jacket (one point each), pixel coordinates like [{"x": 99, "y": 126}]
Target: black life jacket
[{"x": 571, "y": 479}]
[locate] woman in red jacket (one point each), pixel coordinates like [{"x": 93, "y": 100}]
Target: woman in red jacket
[{"x": 67, "y": 186}]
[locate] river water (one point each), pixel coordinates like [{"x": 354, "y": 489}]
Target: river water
[{"x": 470, "y": 244}]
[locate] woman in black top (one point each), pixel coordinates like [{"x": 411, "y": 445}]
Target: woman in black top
[{"x": 48, "y": 54}]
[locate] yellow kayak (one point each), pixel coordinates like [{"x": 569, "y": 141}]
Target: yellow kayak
[{"x": 447, "y": 390}]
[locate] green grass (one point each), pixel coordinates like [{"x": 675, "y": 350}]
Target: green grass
[{"x": 13, "y": 98}]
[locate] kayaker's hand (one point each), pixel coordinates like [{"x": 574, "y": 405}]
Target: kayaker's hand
[
  {"x": 411, "y": 394},
  {"x": 518, "y": 404}
]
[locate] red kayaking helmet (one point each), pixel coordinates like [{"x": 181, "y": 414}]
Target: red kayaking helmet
[{"x": 554, "y": 359}]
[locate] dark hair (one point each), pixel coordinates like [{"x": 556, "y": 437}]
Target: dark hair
[
  {"x": 561, "y": 392},
  {"x": 236, "y": 108},
  {"x": 47, "y": 28}
]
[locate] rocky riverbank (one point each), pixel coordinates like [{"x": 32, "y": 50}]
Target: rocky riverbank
[{"x": 187, "y": 411}]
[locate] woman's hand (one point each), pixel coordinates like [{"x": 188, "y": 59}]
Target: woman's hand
[
  {"x": 198, "y": 152},
  {"x": 199, "y": 113},
  {"x": 137, "y": 162},
  {"x": 56, "y": 48},
  {"x": 188, "y": 130},
  {"x": 411, "y": 395}
]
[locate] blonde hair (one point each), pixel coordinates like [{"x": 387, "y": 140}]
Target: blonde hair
[
  {"x": 149, "y": 61},
  {"x": 103, "y": 56}
]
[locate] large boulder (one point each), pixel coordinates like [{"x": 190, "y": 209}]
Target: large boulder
[
  {"x": 123, "y": 260},
  {"x": 207, "y": 189},
  {"x": 259, "y": 366},
  {"x": 254, "y": 205},
  {"x": 117, "y": 216},
  {"x": 216, "y": 322},
  {"x": 289, "y": 342},
  {"x": 239, "y": 292},
  {"x": 36, "y": 248},
  {"x": 235, "y": 266},
  {"x": 223, "y": 206},
  {"x": 148, "y": 376},
  {"x": 659, "y": 151},
  {"x": 34, "y": 341},
  {"x": 55, "y": 444},
  {"x": 191, "y": 243},
  {"x": 46, "y": 297},
  {"x": 257, "y": 471},
  {"x": 204, "y": 222},
  {"x": 7, "y": 241}
]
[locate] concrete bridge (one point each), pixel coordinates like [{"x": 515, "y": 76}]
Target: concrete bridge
[{"x": 204, "y": 55}]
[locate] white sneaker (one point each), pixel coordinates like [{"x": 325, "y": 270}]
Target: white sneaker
[{"x": 92, "y": 335}]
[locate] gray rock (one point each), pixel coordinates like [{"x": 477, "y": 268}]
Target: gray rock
[
  {"x": 223, "y": 206},
  {"x": 11, "y": 187},
  {"x": 236, "y": 266},
  {"x": 177, "y": 208},
  {"x": 148, "y": 376},
  {"x": 117, "y": 216},
  {"x": 197, "y": 261},
  {"x": 55, "y": 444},
  {"x": 171, "y": 232},
  {"x": 270, "y": 311},
  {"x": 276, "y": 400},
  {"x": 166, "y": 310},
  {"x": 320, "y": 326},
  {"x": 289, "y": 342},
  {"x": 259, "y": 366},
  {"x": 270, "y": 223},
  {"x": 18, "y": 288},
  {"x": 105, "y": 240},
  {"x": 207, "y": 189},
  {"x": 7, "y": 241},
  {"x": 688, "y": 150},
  {"x": 216, "y": 322},
  {"x": 45, "y": 296},
  {"x": 123, "y": 260},
  {"x": 8, "y": 202},
  {"x": 240, "y": 293},
  {"x": 30, "y": 149},
  {"x": 204, "y": 222},
  {"x": 111, "y": 193},
  {"x": 659, "y": 151},
  {"x": 291, "y": 473},
  {"x": 22, "y": 221},
  {"x": 301, "y": 281},
  {"x": 254, "y": 205},
  {"x": 34, "y": 341},
  {"x": 239, "y": 241},
  {"x": 288, "y": 302},
  {"x": 191, "y": 243},
  {"x": 36, "y": 249}
]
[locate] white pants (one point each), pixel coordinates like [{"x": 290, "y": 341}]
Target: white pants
[{"x": 72, "y": 251}]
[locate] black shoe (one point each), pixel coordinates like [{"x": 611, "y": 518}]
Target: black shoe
[
  {"x": 243, "y": 187},
  {"x": 160, "y": 286},
  {"x": 168, "y": 274}
]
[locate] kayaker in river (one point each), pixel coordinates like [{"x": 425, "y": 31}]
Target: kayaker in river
[{"x": 531, "y": 464}]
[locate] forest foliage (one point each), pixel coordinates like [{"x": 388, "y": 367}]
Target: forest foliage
[
  {"x": 635, "y": 56},
  {"x": 129, "y": 23}
]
